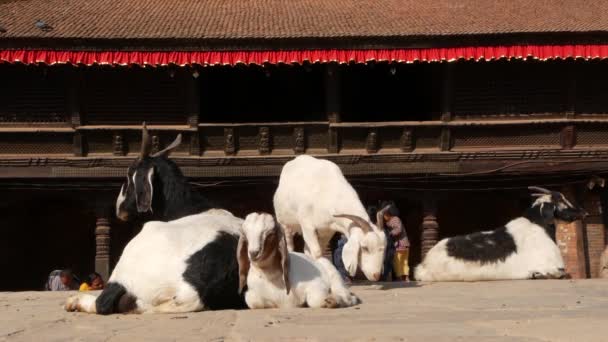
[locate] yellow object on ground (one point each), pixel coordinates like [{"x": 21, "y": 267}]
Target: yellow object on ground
[{"x": 400, "y": 263}]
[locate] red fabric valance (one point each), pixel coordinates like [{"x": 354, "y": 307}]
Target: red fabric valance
[{"x": 161, "y": 58}]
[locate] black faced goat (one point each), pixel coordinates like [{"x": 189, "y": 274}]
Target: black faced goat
[{"x": 156, "y": 188}]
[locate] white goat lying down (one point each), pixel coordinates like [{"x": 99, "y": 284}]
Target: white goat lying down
[
  {"x": 276, "y": 278},
  {"x": 184, "y": 265},
  {"x": 314, "y": 198},
  {"x": 522, "y": 249}
]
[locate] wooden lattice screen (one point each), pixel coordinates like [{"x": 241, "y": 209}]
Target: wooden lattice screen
[
  {"x": 133, "y": 95},
  {"x": 32, "y": 95},
  {"x": 510, "y": 89}
]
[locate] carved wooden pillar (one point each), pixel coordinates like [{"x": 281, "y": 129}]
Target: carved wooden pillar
[
  {"x": 332, "y": 104},
  {"x": 74, "y": 109},
  {"x": 445, "y": 140},
  {"x": 430, "y": 227},
  {"x": 570, "y": 240},
  {"x": 447, "y": 91},
  {"x": 571, "y": 96},
  {"x": 102, "y": 246}
]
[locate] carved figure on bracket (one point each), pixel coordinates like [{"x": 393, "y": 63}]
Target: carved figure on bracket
[
  {"x": 155, "y": 143},
  {"x": 118, "y": 144},
  {"x": 264, "y": 140},
  {"x": 371, "y": 144},
  {"x": 568, "y": 137},
  {"x": 299, "y": 140},
  {"x": 407, "y": 140},
  {"x": 229, "y": 141}
]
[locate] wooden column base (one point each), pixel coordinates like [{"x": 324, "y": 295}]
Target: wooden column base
[
  {"x": 430, "y": 227},
  {"x": 102, "y": 248}
]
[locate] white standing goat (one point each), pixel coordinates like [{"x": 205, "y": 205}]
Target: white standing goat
[
  {"x": 276, "y": 278},
  {"x": 313, "y": 198},
  {"x": 522, "y": 249}
]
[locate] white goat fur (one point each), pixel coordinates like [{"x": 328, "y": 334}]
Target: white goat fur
[
  {"x": 152, "y": 264},
  {"x": 315, "y": 283},
  {"x": 536, "y": 252},
  {"x": 310, "y": 192}
]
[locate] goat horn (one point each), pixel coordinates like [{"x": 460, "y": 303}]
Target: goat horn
[
  {"x": 538, "y": 195},
  {"x": 146, "y": 142},
  {"x": 365, "y": 226},
  {"x": 380, "y": 216},
  {"x": 539, "y": 189},
  {"x": 169, "y": 148}
]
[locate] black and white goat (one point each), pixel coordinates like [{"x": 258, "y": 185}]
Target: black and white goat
[
  {"x": 156, "y": 188},
  {"x": 522, "y": 249},
  {"x": 187, "y": 264},
  {"x": 276, "y": 278}
]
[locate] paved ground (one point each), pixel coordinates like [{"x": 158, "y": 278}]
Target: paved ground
[{"x": 552, "y": 310}]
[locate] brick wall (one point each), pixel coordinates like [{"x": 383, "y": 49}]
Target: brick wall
[
  {"x": 569, "y": 237},
  {"x": 595, "y": 232}
]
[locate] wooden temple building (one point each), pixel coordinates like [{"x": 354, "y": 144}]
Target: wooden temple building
[{"x": 449, "y": 108}]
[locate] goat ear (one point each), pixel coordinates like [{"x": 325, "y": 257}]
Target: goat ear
[
  {"x": 167, "y": 150},
  {"x": 143, "y": 196},
  {"x": 284, "y": 258},
  {"x": 350, "y": 254},
  {"x": 242, "y": 258}
]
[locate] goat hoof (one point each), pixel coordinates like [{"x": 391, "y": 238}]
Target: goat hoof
[
  {"x": 330, "y": 303},
  {"x": 538, "y": 275},
  {"x": 71, "y": 304}
]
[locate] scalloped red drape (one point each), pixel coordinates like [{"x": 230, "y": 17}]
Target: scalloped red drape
[{"x": 161, "y": 58}]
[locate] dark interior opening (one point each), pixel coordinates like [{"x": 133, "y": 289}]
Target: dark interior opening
[
  {"x": 42, "y": 234},
  {"x": 273, "y": 93},
  {"x": 390, "y": 92},
  {"x": 591, "y": 89}
]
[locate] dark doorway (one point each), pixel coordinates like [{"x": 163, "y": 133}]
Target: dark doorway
[{"x": 41, "y": 234}]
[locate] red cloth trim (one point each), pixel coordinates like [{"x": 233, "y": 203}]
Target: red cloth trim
[{"x": 160, "y": 58}]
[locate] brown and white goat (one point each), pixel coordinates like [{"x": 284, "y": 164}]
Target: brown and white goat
[{"x": 276, "y": 278}]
